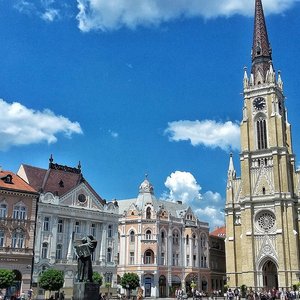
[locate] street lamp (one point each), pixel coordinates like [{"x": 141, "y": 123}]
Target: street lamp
[{"x": 128, "y": 291}]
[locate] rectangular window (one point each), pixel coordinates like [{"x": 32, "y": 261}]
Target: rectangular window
[
  {"x": 60, "y": 226},
  {"x": 3, "y": 211},
  {"x": 46, "y": 225},
  {"x": 188, "y": 260},
  {"x": 93, "y": 230},
  {"x": 77, "y": 227},
  {"x": 110, "y": 231},
  {"x": 162, "y": 259},
  {"x": 1, "y": 238},
  {"x": 131, "y": 258},
  {"x": 175, "y": 259},
  {"x": 194, "y": 260}
]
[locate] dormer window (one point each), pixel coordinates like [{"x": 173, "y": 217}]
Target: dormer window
[
  {"x": 7, "y": 179},
  {"x": 61, "y": 183}
]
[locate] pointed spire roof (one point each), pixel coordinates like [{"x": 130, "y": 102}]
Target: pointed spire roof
[
  {"x": 261, "y": 50},
  {"x": 231, "y": 170}
]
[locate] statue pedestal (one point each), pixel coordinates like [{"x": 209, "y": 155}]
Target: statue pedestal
[{"x": 86, "y": 291}]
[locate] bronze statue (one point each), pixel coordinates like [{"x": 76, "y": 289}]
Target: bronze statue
[{"x": 84, "y": 256}]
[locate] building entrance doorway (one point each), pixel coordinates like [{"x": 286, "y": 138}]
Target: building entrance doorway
[
  {"x": 162, "y": 286},
  {"x": 270, "y": 275}
]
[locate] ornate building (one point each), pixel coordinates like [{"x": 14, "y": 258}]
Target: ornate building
[
  {"x": 164, "y": 243},
  {"x": 68, "y": 210},
  {"x": 262, "y": 224},
  {"x": 217, "y": 259},
  {"x": 18, "y": 202}
]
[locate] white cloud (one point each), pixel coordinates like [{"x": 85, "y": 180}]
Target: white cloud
[
  {"x": 50, "y": 15},
  {"x": 213, "y": 215},
  {"x": 182, "y": 186},
  {"x": 47, "y": 10},
  {"x": 110, "y": 15},
  {"x": 208, "y": 133},
  {"x": 113, "y": 134},
  {"x": 207, "y": 207},
  {"x": 23, "y": 126}
]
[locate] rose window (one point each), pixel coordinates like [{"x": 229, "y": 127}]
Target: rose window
[{"x": 266, "y": 221}]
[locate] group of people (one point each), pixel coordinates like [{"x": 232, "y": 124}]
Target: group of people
[{"x": 263, "y": 294}]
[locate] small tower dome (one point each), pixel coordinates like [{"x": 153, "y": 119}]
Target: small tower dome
[{"x": 146, "y": 187}]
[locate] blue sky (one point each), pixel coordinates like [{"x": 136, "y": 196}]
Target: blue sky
[{"x": 132, "y": 87}]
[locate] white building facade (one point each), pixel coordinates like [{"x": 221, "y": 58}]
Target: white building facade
[{"x": 68, "y": 210}]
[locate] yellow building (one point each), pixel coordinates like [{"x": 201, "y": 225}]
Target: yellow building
[{"x": 262, "y": 224}]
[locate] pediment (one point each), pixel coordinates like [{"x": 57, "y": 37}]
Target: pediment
[{"x": 82, "y": 197}]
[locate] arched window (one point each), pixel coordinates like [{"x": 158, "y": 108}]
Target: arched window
[
  {"x": 187, "y": 239},
  {"x": 194, "y": 240},
  {"x": 58, "y": 254},
  {"x": 148, "y": 234},
  {"x": 3, "y": 210},
  {"x": 148, "y": 213},
  {"x": 44, "y": 250},
  {"x": 132, "y": 236},
  {"x": 17, "y": 240},
  {"x": 261, "y": 133},
  {"x": 2, "y": 237},
  {"x": 149, "y": 257},
  {"x": 109, "y": 255},
  {"x": 19, "y": 212}
]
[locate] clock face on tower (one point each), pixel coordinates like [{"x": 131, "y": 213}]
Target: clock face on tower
[{"x": 259, "y": 103}]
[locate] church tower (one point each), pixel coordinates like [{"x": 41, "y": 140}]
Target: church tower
[{"x": 262, "y": 227}]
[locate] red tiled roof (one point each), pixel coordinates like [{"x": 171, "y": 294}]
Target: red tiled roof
[
  {"x": 219, "y": 232},
  {"x": 58, "y": 181},
  {"x": 11, "y": 181}
]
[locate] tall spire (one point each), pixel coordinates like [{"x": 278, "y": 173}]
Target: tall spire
[{"x": 261, "y": 50}]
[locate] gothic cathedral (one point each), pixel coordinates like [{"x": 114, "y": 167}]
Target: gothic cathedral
[{"x": 262, "y": 206}]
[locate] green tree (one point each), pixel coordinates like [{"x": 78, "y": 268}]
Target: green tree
[
  {"x": 98, "y": 278},
  {"x": 130, "y": 281},
  {"x": 51, "y": 280},
  {"x": 7, "y": 278}
]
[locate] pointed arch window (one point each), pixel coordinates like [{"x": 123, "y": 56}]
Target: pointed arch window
[
  {"x": 132, "y": 236},
  {"x": 148, "y": 235},
  {"x": 148, "y": 213},
  {"x": 261, "y": 133}
]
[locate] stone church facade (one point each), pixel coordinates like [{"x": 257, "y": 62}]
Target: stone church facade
[{"x": 262, "y": 206}]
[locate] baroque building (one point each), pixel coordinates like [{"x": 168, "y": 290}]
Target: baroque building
[
  {"x": 262, "y": 223},
  {"x": 68, "y": 210},
  {"x": 164, "y": 243},
  {"x": 18, "y": 201}
]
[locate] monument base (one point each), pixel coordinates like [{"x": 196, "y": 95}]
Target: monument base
[{"x": 86, "y": 291}]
